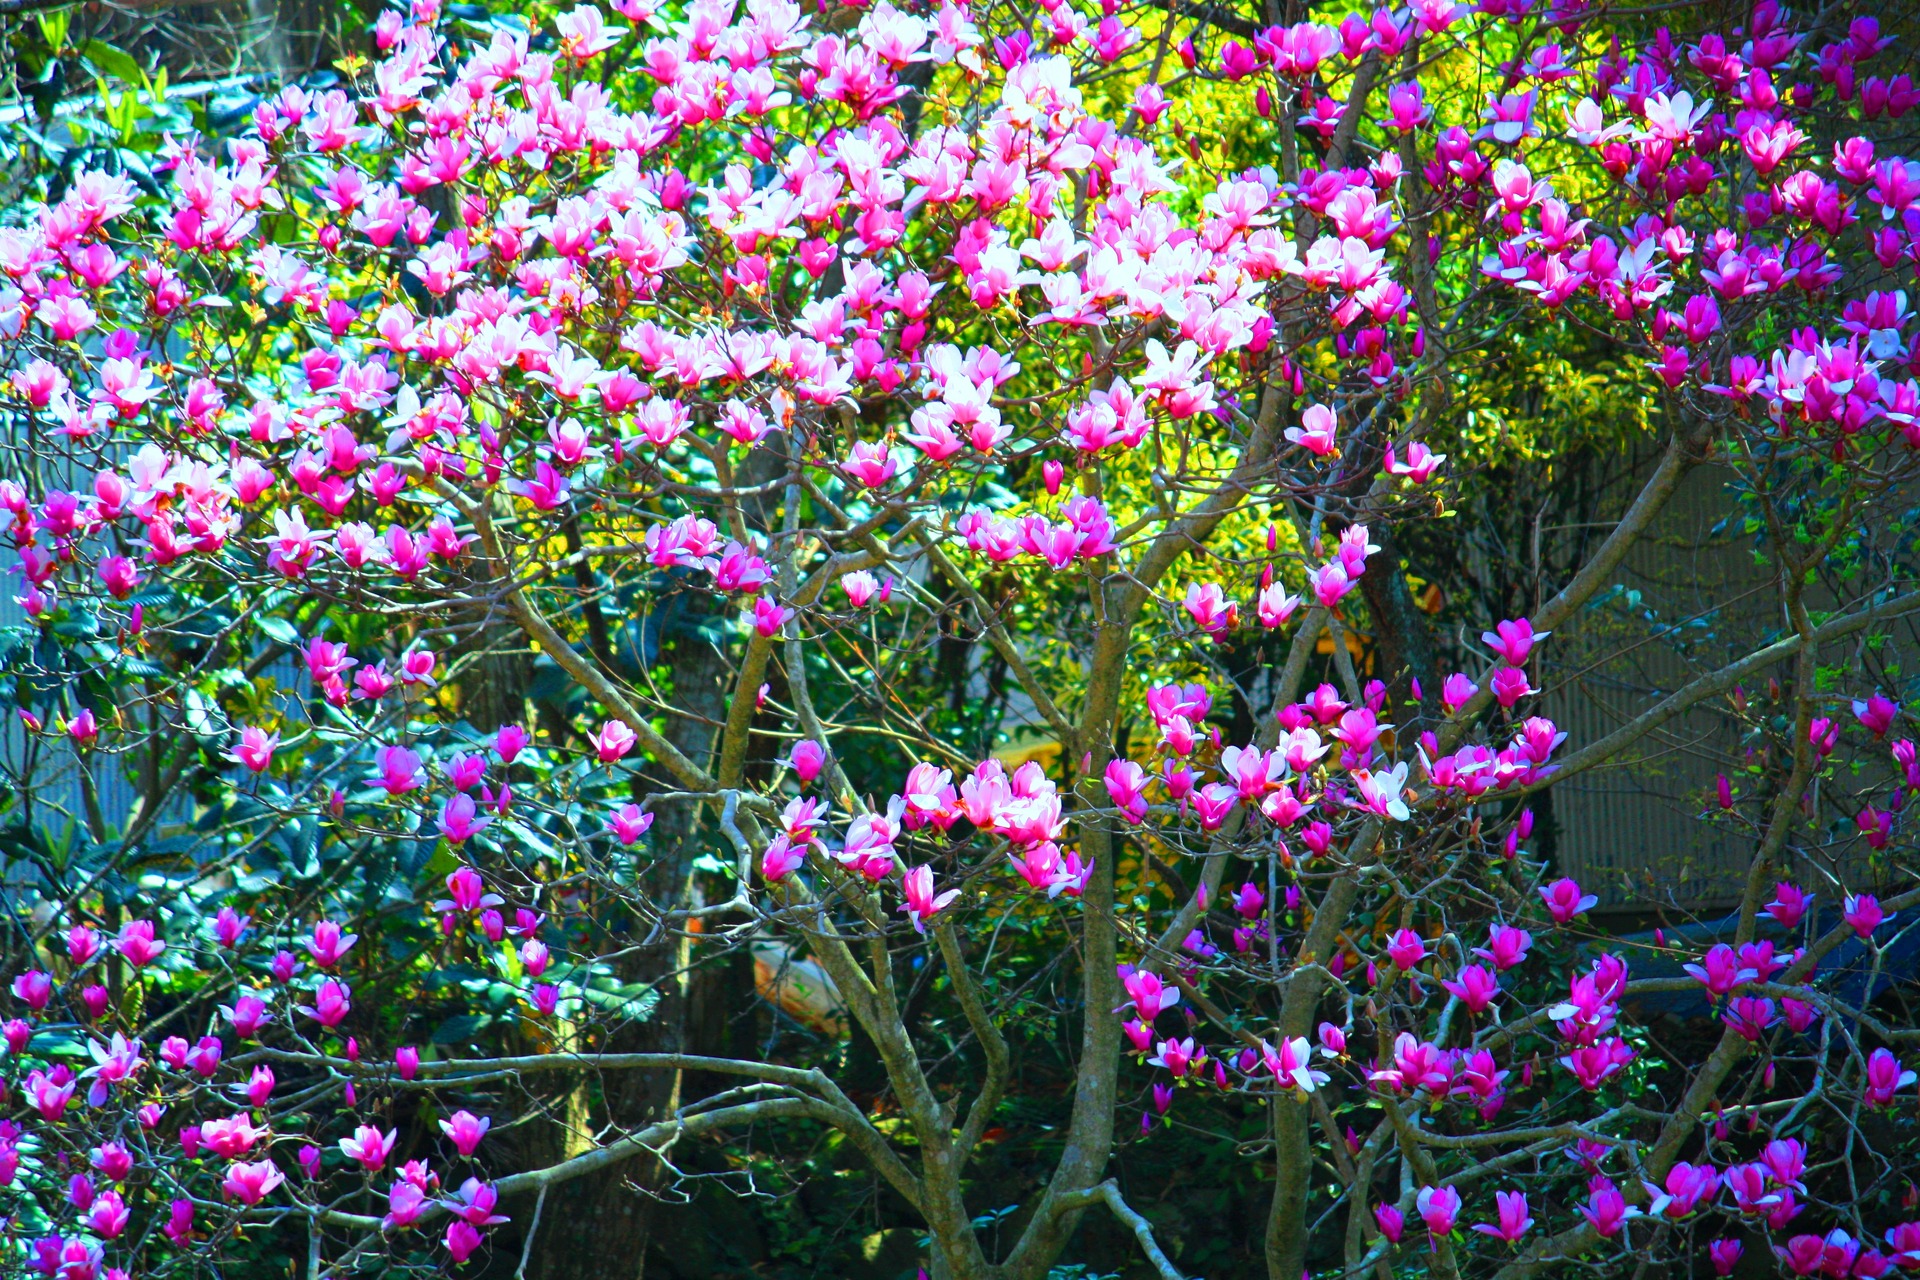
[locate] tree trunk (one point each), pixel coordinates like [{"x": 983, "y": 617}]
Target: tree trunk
[{"x": 1400, "y": 631}]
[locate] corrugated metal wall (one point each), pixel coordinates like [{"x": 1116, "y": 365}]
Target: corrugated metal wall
[{"x": 1636, "y": 833}]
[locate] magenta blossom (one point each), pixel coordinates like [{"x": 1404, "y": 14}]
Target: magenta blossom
[
  {"x": 781, "y": 859},
  {"x": 613, "y": 741},
  {"x": 921, "y": 902},
  {"x": 327, "y": 944},
  {"x": 255, "y": 749},
  {"x": 1687, "y": 1187},
  {"x": 1513, "y": 641},
  {"x": 1565, "y": 901},
  {"x": 137, "y": 943},
  {"x": 628, "y": 824},
  {"x": 808, "y": 758},
  {"x": 465, "y": 1130},
  {"x": 331, "y": 1004},
  {"x": 1863, "y": 912},
  {"x": 1885, "y": 1076},
  {"x": 1789, "y": 905},
  {"x": 1439, "y": 1208},
  {"x": 368, "y": 1146},
  {"x": 252, "y": 1183},
  {"x": 1514, "y": 1219}
]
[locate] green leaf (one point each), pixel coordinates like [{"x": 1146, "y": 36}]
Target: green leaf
[
  {"x": 117, "y": 63},
  {"x": 279, "y": 630},
  {"x": 53, "y": 27},
  {"x": 713, "y": 865}
]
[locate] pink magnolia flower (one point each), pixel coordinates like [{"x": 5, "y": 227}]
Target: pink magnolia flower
[
  {"x": 416, "y": 667},
  {"x": 1406, "y": 949},
  {"x": 1513, "y": 641},
  {"x": 860, "y": 587},
  {"x": 1456, "y": 691},
  {"x": 84, "y": 728},
  {"x": 260, "y": 1084},
  {"x": 1316, "y": 432},
  {"x": 1606, "y": 1209},
  {"x": 1178, "y": 1056},
  {"x": 462, "y": 1239},
  {"x": 628, "y": 824},
  {"x": 459, "y": 819},
  {"x": 1147, "y": 995},
  {"x": 251, "y": 1183},
  {"x": 48, "y": 1092},
  {"x": 769, "y": 617},
  {"x": 229, "y": 926},
  {"x": 1126, "y": 784},
  {"x": 1876, "y": 714},
  {"x": 1565, "y": 901},
  {"x": 465, "y": 1130},
  {"x": 782, "y": 858},
  {"x": 871, "y": 464},
  {"x": 921, "y": 901},
  {"x": 1514, "y": 1219},
  {"x": 331, "y": 1004},
  {"x": 1594, "y": 1064},
  {"x": 1475, "y": 988},
  {"x": 1687, "y": 1187},
  {"x": 508, "y": 742},
  {"x": 369, "y": 1147},
  {"x": 613, "y": 741},
  {"x": 1291, "y": 1064},
  {"x": 1330, "y": 583},
  {"x": 1509, "y": 685},
  {"x": 1383, "y": 792},
  {"x": 232, "y": 1137},
  {"x": 466, "y": 892},
  {"x": 405, "y": 1203},
  {"x": 1790, "y": 903},
  {"x": 535, "y": 957},
  {"x": 1864, "y": 913},
  {"x": 1210, "y": 609},
  {"x": 399, "y": 771},
  {"x": 1439, "y": 1208},
  {"x": 1885, "y": 1076},
  {"x": 113, "y": 1160},
  {"x": 203, "y": 1059},
  {"x": 34, "y": 988},
  {"x": 1393, "y": 1223},
  {"x": 1750, "y": 1016},
  {"x": 327, "y": 944},
  {"x": 1274, "y": 606},
  {"x": 255, "y": 749},
  {"x": 248, "y": 1013},
  {"x": 1720, "y": 971},
  {"x": 1506, "y": 946},
  {"x": 1420, "y": 465},
  {"x": 808, "y": 759},
  {"x": 137, "y": 943}
]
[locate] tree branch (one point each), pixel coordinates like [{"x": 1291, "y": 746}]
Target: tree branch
[{"x": 1108, "y": 1193}]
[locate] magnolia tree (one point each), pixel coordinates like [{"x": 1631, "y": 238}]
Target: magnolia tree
[{"x": 821, "y": 336}]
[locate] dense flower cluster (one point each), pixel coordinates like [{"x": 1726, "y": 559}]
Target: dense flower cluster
[{"x": 394, "y": 346}]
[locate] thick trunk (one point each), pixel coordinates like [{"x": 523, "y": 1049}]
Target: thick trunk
[{"x": 1401, "y": 636}]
